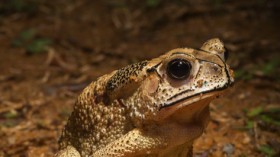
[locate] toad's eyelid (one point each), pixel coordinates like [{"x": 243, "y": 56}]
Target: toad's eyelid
[
  {"x": 202, "y": 60},
  {"x": 175, "y": 53}
]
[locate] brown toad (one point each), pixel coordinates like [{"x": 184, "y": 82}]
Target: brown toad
[{"x": 152, "y": 108}]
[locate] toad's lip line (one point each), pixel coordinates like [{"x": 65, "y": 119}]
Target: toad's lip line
[
  {"x": 201, "y": 94},
  {"x": 187, "y": 102}
]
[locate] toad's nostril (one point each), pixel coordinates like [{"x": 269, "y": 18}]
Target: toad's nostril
[{"x": 215, "y": 68}]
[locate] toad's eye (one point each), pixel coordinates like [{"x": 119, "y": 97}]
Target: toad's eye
[{"x": 179, "y": 69}]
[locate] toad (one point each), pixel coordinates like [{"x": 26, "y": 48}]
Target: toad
[{"x": 151, "y": 108}]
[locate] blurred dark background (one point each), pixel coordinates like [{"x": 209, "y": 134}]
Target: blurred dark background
[{"x": 50, "y": 50}]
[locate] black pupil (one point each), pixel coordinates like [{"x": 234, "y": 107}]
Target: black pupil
[{"x": 179, "y": 69}]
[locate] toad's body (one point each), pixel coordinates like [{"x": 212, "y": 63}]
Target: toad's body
[{"x": 151, "y": 108}]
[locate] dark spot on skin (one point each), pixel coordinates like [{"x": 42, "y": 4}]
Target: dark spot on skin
[{"x": 152, "y": 69}]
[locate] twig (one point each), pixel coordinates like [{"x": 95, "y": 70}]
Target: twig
[
  {"x": 255, "y": 129},
  {"x": 11, "y": 106}
]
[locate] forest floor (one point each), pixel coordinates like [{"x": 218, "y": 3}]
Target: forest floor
[{"x": 49, "y": 51}]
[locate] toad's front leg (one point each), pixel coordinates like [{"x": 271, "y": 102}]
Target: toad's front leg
[
  {"x": 134, "y": 143},
  {"x": 152, "y": 142}
]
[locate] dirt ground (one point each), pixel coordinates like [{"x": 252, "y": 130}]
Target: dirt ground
[{"x": 50, "y": 50}]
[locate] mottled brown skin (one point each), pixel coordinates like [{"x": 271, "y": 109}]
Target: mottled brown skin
[{"x": 143, "y": 110}]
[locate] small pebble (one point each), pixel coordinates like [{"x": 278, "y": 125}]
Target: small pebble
[{"x": 228, "y": 149}]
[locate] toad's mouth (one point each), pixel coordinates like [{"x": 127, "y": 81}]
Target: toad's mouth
[
  {"x": 213, "y": 92},
  {"x": 190, "y": 105}
]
